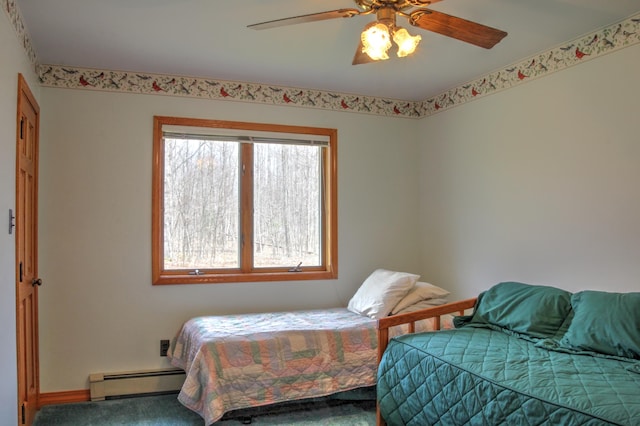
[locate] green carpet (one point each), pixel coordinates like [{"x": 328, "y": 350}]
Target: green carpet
[{"x": 165, "y": 410}]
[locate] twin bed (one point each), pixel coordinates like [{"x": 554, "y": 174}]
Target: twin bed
[
  {"x": 240, "y": 361},
  {"x": 518, "y": 359},
  {"x": 235, "y": 362},
  {"x": 529, "y": 355}
]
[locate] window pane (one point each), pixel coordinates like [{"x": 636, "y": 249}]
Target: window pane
[
  {"x": 201, "y": 204},
  {"x": 287, "y": 205}
]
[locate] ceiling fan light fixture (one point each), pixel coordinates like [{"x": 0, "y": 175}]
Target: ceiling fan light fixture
[
  {"x": 407, "y": 43},
  {"x": 376, "y": 41}
]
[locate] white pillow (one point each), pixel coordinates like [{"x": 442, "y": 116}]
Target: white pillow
[
  {"x": 380, "y": 292},
  {"x": 423, "y": 304},
  {"x": 421, "y": 291}
]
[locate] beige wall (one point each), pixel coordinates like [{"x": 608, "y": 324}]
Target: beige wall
[
  {"x": 13, "y": 61},
  {"x": 538, "y": 183},
  {"x": 99, "y": 310}
]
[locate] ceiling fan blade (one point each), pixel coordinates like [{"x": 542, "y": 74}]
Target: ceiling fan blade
[
  {"x": 360, "y": 57},
  {"x": 312, "y": 17},
  {"x": 458, "y": 28}
]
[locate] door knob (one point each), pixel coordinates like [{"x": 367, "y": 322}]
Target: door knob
[{"x": 36, "y": 281}]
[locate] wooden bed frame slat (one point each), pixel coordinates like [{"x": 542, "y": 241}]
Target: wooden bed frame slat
[{"x": 411, "y": 318}]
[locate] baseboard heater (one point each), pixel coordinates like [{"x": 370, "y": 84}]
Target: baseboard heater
[{"x": 135, "y": 383}]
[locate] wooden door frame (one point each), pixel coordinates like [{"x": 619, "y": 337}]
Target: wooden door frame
[{"x": 24, "y": 92}]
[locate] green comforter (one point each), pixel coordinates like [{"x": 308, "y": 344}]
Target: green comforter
[{"x": 478, "y": 376}]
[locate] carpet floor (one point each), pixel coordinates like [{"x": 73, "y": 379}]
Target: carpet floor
[{"x": 165, "y": 410}]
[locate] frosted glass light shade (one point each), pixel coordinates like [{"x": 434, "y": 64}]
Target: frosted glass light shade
[
  {"x": 376, "y": 41},
  {"x": 406, "y": 42}
]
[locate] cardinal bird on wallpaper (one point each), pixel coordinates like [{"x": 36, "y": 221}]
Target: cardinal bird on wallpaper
[
  {"x": 84, "y": 81},
  {"x": 580, "y": 54},
  {"x": 234, "y": 91},
  {"x": 287, "y": 99}
]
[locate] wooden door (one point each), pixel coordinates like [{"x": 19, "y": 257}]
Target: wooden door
[{"x": 27, "y": 280}]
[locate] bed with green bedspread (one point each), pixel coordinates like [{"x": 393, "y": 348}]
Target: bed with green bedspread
[{"x": 528, "y": 355}]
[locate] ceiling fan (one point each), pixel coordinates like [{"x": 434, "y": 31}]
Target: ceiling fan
[{"x": 376, "y": 37}]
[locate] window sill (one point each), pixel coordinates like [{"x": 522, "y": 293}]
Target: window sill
[{"x": 181, "y": 279}]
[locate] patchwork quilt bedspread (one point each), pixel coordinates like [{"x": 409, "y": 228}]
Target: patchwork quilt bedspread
[
  {"x": 240, "y": 361},
  {"x": 458, "y": 377}
]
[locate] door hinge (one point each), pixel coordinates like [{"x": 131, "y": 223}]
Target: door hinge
[
  {"x": 24, "y": 420},
  {"x": 22, "y": 128},
  {"x": 21, "y": 271}
]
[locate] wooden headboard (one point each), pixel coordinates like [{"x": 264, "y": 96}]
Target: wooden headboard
[{"x": 411, "y": 318}]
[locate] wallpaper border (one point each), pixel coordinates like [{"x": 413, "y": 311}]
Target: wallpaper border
[
  {"x": 15, "y": 18},
  {"x": 600, "y": 42},
  {"x": 595, "y": 44}
]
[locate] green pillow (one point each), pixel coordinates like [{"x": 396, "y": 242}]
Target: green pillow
[
  {"x": 603, "y": 322},
  {"x": 537, "y": 311}
]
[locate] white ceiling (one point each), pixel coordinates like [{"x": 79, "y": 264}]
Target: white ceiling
[{"x": 210, "y": 38}]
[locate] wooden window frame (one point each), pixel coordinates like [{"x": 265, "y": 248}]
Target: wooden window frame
[{"x": 246, "y": 273}]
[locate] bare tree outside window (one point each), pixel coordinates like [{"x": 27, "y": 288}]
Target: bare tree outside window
[
  {"x": 287, "y": 205},
  {"x": 201, "y": 204}
]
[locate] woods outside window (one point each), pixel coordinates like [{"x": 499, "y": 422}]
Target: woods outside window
[{"x": 235, "y": 201}]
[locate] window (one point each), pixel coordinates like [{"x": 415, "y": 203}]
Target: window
[{"x": 236, "y": 201}]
